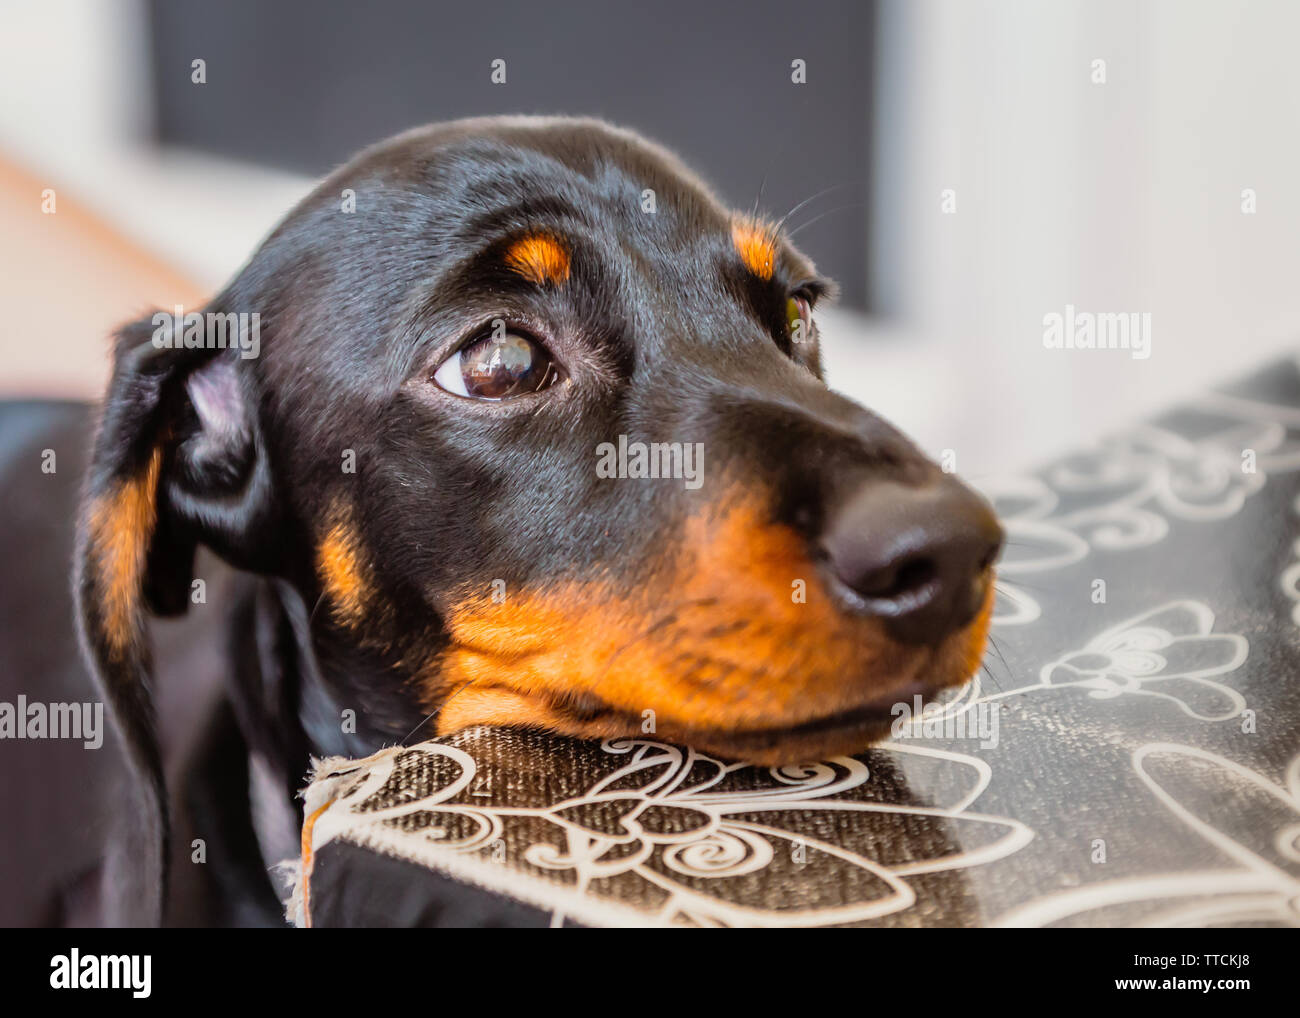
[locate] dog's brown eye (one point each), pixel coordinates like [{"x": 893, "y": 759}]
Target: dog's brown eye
[
  {"x": 498, "y": 366},
  {"x": 798, "y": 317}
]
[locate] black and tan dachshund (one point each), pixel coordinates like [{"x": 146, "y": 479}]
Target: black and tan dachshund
[{"x": 438, "y": 481}]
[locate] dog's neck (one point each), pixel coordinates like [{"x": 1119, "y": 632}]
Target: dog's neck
[{"x": 301, "y": 692}]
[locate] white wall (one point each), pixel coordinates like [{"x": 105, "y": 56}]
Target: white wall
[{"x": 1116, "y": 197}]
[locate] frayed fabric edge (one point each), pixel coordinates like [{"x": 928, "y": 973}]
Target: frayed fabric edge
[{"x": 324, "y": 784}]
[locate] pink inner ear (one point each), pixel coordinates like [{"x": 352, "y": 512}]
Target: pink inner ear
[{"x": 214, "y": 391}]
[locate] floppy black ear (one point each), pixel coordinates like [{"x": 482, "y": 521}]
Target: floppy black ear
[{"x": 177, "y": 460}]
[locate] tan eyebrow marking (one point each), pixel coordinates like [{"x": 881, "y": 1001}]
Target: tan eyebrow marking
[
  {"x": 539, "y": 257},
  {"x": 756, "y": 243}
]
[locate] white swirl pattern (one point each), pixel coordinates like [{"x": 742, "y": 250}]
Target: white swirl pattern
[
  {"x": 1290, "y": 579},
  {"x": 1262, "y": 887},
  {"x": 1168, "y": 652},
  {"x": 1122, "y": 495},
  {"x": 723, "y": 843}
]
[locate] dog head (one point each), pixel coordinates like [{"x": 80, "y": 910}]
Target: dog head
[{"x": 539, "y": 427}]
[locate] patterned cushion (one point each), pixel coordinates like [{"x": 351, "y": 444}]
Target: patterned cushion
[{"x": 1130, "y": 753}]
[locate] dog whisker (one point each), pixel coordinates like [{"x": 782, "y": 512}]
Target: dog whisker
[
  {"x": 822, "y": 215},
  {"x": 758, "y": 199},
  {"x": 435, "y": 712},
  {"x": 1002, "y": 658},
  {"x": 780, "y": 223},
  {"x": 311, "y": 617}
]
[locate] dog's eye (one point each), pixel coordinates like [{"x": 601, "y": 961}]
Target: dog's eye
[
  {"x": 798, "y": 319},
  {"x": 497, "y": 366}
]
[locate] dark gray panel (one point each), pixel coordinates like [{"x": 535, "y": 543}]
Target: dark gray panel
[{"x": 302, "y": 85}]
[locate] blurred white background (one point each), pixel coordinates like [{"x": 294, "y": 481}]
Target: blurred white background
[{"x": 1123, "y": 196}]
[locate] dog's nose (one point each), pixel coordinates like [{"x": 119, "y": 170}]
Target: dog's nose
[{"x": 917, "y": 557}]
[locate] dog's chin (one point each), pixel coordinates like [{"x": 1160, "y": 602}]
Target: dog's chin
[
  {"x": 842, "y": 733},
  {"x": 844, "y": 726},
  {"x": 768, "y": 743}
]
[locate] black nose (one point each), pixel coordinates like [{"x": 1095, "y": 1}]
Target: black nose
[{"x": 917, "y": 557}]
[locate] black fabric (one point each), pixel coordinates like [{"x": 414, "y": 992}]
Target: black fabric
[{"x": 355, "y": 887}]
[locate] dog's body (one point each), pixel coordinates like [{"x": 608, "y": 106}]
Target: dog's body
[{"x": 407, "y": 481}]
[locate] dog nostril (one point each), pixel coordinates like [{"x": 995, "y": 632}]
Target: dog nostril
[{"x": 896, "y": 581}]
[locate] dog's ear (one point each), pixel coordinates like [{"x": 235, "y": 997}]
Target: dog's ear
[{"x": 177, "y": 460}]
